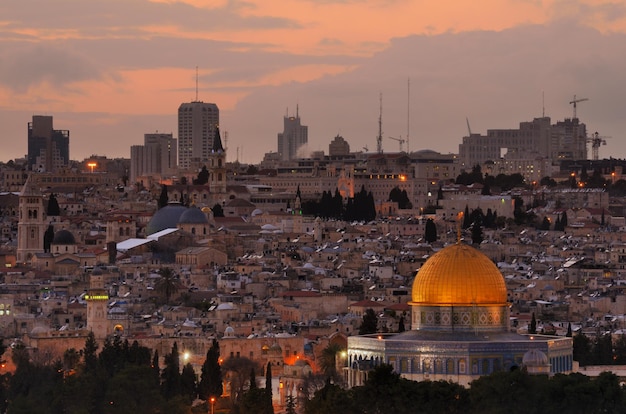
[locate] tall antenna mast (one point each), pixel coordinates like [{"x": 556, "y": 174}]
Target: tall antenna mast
[
  {"x": 408, "y": 114},
  {"x": 379, "y": 138},
  {"x": 196, "y": 84},
  {"x": 543, "y": 104}
]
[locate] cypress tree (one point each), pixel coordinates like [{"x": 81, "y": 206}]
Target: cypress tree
[{"x": 210, "y": 384}]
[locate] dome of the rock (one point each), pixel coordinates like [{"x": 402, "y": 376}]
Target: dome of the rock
[{"x": 459, "y": 275}]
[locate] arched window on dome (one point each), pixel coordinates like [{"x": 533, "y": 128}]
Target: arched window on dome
[
  {"x": 485, "y": 367},
  {"x": 404, "y": 365},
  {"x": 415, "y": 365},
  {"x": 450, "y": 366},
  {"x": 462, "y": 366},
  {"x": 497, "y": 365},
  {"x": 438, "y": 366}
]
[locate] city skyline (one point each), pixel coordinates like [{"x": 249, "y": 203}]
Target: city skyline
[{"x": 111, "y": 72}]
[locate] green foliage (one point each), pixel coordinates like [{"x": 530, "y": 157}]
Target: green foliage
[
  {"x": 430, "y": 231},
  {"x": 290, "y": 405},
  {"x": 401, "y": 197},
  {"x": 48, "y": 236},
  {"x": 532, "y": 329},
  {"x": 203, "y": 176},
  {"x": 168, "y": 284},
  {"x": 369, "y": 325},
  {"x": 53, "y": 208},
  {"x": 163, "y": 198},
  {"x": 218, "y": 211},
  {"x": 210, "y": 384},
  {"x": 188, "y": 383},
  {"x": 170, "y": 375}
]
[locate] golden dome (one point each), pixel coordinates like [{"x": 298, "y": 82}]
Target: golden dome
[{"x": 459, "y": 275}]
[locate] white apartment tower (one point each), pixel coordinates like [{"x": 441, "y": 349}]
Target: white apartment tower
[
  {"x": 293, "y": 137},
  {"x": 197, "y": 123}
]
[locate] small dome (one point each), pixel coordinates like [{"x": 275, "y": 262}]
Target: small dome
[
  {"x": 193, "y": 215},
  {"x": 459, "y": 275},
  {"x": 229, "y": 332},
  {"x": 63, "y": 237},
  {"x": 535, "y": 358},
  {"x": 166, "y": 218}
]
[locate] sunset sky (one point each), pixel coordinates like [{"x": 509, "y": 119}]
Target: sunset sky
[{"x": 112, "y": 70}]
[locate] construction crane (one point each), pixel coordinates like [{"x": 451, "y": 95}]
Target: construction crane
[
  {"x": 400, "y": 141},
  {"x": 596, "y": 141},
  {"x": 575, "y": 101}
]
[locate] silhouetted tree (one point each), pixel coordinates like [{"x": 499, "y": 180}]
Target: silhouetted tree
[
  {"x": 53, "y": 206},
  {"x": 430, "y": 231},
  {"x": 369, "y": 325},
  {"x": 532, "y": 329},
  {"x": 203, "y": 176},
  {"x": 163, "y": 198},
  {"x": 48, "y": 237},
  {"x": 210, "y": 384},
  {"x": 218, "y": 211}
]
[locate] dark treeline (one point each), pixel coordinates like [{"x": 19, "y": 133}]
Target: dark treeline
[
  {"x": 121, "y": 378},
  {"x": 359, "y": 208},
  {"x": 127, "y": 378},
  {"x": 509, "y": 392}
]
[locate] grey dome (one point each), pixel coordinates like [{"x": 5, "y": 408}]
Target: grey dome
[
  {"x": 193, "y": 215},
  {"x": 166, "y": 218},
  {"x": 63, "y": 237}
]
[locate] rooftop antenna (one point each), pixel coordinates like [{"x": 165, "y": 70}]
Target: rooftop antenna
[
  {"x": 297, "y": 111},
  {"x": 543, "y": 104},
  {"x": 379, "y": 138},
  {"x": 408, "y": 114},
  {"x": 196, "y": 84}
]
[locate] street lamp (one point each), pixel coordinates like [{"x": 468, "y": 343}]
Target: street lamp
[
  {"x": 91, "y": 165},
  {"x": 212, "y": 400}
]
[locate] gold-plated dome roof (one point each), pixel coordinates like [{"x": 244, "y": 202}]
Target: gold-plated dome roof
[{"x": 459, "y": 275}]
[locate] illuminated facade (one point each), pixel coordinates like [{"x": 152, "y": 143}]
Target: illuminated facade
[{"x": 459, "y": 327}]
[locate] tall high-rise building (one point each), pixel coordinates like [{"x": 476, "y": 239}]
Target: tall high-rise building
[
  {"x": 48, "y": 148},
  {"x": 293, "y": 137},
  {"x": 156, "y": 157},
  {"x": 197, "y": 123}
]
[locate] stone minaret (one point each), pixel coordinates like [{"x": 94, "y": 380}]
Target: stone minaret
[
  {"x": 31, "y": 225},
  {"x": 97, "y": 302}
]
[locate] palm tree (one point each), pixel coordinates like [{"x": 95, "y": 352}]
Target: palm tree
[
  {"x": 328, "y": 360},
  {"x": 168, "y": 284}
]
